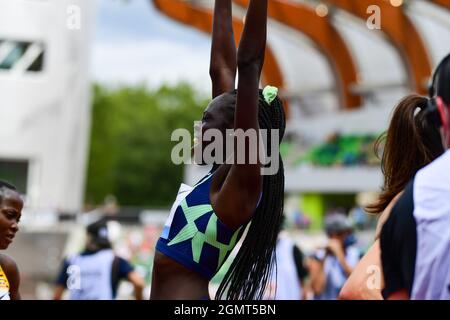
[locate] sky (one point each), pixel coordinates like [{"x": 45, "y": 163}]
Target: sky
[{"x": 135, "y": 43}]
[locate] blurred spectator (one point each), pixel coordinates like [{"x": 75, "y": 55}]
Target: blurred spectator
[
  {"x": 95, "y": 273},
  {"x": 330, "y": 266},
  {"x": 291, "y": 272},
  {"x": 110, "y": 206},
  {"x": 301, "y": 220},
  {"x": 360, "y": 218}
]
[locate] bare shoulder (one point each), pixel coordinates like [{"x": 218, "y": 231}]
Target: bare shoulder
[
  {"x": 9, "y": 266},
  {"x": 385, "y": 215}
]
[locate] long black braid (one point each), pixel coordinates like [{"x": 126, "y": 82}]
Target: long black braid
[{"x": 250, "y": 271}]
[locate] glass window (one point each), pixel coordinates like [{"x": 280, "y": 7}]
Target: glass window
[
  {"x": 15, "y": 172},
  {"x": 37, "y": 63},
  {"x": 14, "y": 52}
]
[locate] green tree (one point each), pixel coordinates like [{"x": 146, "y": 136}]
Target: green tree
[{"x": 130, "y": 142}]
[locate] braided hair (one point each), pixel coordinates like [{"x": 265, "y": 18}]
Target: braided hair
[{"x": 250, "y": 271}]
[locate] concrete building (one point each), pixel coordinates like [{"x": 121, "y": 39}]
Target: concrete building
[{"x": 45, "y": 100}]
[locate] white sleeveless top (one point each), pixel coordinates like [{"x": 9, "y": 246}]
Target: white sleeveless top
[
  {"x": 432, "y": 214},
  {"x": 89, "y": 276}
]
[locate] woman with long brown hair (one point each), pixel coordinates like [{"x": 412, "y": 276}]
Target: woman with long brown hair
[{"x": 411, "y": 142}]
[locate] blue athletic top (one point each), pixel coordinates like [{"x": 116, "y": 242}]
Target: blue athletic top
[{"x": 194, "y": 236}]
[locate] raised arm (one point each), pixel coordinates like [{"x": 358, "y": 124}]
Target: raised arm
[
  {"x": 223, "y": 49},
  {"x": 253, "y": 42},
  {"x": 242, "y": 187}
]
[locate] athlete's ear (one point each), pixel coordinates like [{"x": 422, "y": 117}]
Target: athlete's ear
[
  {"x": 446, "y": 131},
  {"x": 445, "y": 120},
  {"x": 443, "y": 112}
]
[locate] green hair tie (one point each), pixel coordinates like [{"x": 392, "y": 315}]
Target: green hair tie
[{"x": 270, "y": 93}]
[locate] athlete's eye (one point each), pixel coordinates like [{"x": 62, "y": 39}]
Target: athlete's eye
[
  {"x": 12, "y": 215},
  {"x": 206, "y": 117}
]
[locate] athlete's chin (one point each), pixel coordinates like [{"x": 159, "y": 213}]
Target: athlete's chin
[{"x": 4, "y": 246}]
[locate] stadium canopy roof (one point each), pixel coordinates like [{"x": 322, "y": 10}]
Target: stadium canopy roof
[{"x": 323, "y": 55}]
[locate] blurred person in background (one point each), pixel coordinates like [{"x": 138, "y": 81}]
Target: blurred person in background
[
  {"x": 95, "y": 273},
  {"x": 360, "y": 218},
  {"x": 330, "y": 266},
  {"x": 289, "y": 278},
  {"x": 411, "y": 142},
  {"x": 11, "y": 205}
]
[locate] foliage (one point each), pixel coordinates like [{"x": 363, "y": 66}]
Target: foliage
[{"x": 130, "y": 143}]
